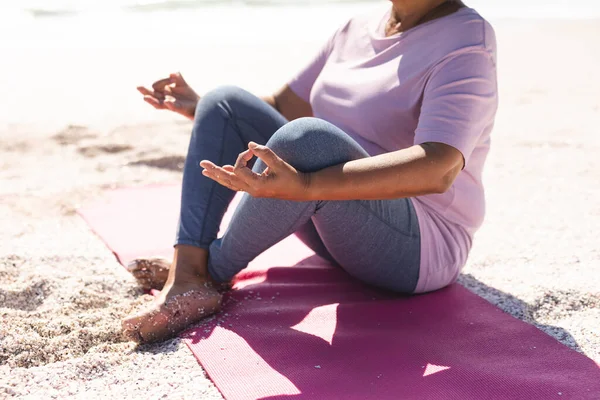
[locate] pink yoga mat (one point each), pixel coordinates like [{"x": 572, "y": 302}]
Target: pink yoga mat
[{"x": 296, "y": 327}]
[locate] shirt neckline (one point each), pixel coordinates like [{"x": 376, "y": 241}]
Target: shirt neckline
[{"x": 377, "y": 30}]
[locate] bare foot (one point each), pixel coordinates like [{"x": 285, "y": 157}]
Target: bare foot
[
  {"x": 178, "y": 306},
  {"x": 151, "y": 273},
  {"x": 188, "y": 296}
]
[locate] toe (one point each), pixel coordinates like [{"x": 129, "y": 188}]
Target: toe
[
  {"x": 150, "y": 273},
  {"x": 169, "y": 316},
  {"x": 144, "y": 279},
  {"x": 131, "y": 328},
  {"x": 159, "y": 326},
  {"x": 136, "y": 265}
]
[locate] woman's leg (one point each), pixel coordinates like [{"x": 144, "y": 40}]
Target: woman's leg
[
  {"x": 226, "y": 119},
  {"x": 376, "y": 241}
]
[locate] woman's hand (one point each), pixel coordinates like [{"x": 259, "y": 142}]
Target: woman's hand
[
  {"x": 279, "y": 180},
  {"x": 172, "y": 93}
]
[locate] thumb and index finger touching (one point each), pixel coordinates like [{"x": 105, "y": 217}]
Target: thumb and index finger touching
[
  {"x": 265, "y": 154},
  {"x": 270, "y": 159},
  {"x": 174, "y": 78},
  {"x": 158, "y": 87},
  {"x": 162, "y": 90},
  {"x": 177, "y": 78}
]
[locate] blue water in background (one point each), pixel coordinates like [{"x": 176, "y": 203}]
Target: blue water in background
[{"x": 571, "y": 9}]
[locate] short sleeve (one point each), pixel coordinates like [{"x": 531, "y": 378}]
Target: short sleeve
[
  {"x": 459, "y": 102},
  {"x": 304, "y": 80}
]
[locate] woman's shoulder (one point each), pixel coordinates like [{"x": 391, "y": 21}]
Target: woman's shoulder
[
  {"x": 464, "y": 32},
  {"x": 470, "y": 29}
]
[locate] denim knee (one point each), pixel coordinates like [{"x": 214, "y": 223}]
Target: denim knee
[
  {"x": 223, "y": 96},
  {"x": 310, "y": 144}
]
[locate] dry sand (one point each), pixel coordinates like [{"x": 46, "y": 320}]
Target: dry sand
[{"x": 62, "y": 293}]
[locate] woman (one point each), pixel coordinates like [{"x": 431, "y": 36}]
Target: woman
[{"x": 372, "y": 155}]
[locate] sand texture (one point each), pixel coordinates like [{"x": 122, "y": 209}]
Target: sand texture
[{"x": 62, "y": 293}]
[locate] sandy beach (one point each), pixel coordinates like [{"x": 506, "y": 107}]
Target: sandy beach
[{"x": 72, "y": 126}]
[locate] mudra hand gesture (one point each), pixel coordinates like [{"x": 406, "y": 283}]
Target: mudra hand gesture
[
  {"x": 279, "y": 180},
  {"x": 172, "y": 93}
]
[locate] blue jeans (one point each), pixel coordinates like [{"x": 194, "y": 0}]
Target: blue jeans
[{"x": 376, "y": 241}]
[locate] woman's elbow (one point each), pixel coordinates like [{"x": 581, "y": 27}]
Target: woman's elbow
[
  {"x": 445, "y": 163},
  {"x": 444, "y": 181},
  {"x": 442, "y": 186}
]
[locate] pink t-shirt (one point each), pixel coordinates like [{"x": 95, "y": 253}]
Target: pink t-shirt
[{"x": 433, "y": 83}]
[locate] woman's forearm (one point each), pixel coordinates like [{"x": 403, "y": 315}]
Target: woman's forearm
[{"x": 415, "y": 171}]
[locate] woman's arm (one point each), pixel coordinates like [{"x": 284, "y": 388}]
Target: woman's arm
[
  {"x": 418, "y": 170},
  {"x": 289, "y": 104},
  {"x": 422, "y": 169},
  {"x": 459, "y": 105},
  {"x": 174, "y": 93}
]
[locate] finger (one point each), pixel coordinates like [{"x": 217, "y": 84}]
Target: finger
[
  {"x": 206, "y": 164},
  {"x": 180, "y": 90},
  {"x": 221, "y": 180},
  {"x": 148, "y": 92},
  {"x": 248, "y": 176},
  {"x": 221, "y": 175},
  {"x": 215, "y": 172},
  {"x": 224, "y": 176},
  {"x": 178, "y": 79},
  {"x": 171, "y": 89},
  {"x": 243, "y": 158},
  {"x": 241, "y": 169},
  {"x": 265, "y": 154},
  {"x": 160, "y": 84},
  {"x": 145, "y": 91},
  {"x": 171, "y": 103},
  {"x": 154, "y": 102}
]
